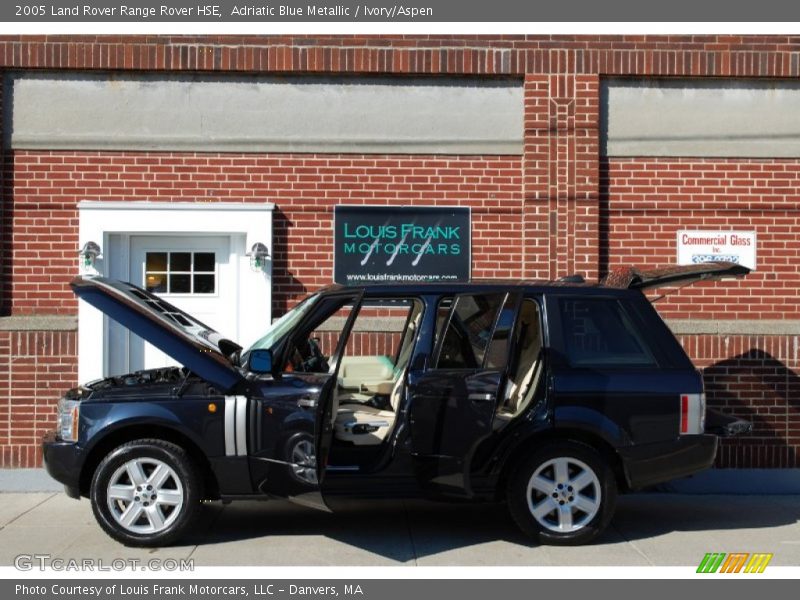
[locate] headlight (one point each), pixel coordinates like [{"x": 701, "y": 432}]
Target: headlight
[{"x": 68, "y": 416}]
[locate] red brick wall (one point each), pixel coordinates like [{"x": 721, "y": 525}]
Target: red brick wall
[
  {"x": 560, "y": 165},
  {"x": 755, "y": 378},
  {"x": 42, "y": 190},
  {"x": 552, "y": 211},
  {"x": 673, "y": 55},
  {"x": 646, "y": 200},
  {"x": 35, "y": 370}
]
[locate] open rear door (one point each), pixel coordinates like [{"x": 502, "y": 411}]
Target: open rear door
[
  {"x": 453, "y": 403},
  {"x": 640, "y": 279}
]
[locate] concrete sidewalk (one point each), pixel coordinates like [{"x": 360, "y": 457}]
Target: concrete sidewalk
[{"x": 649, "y": 529}]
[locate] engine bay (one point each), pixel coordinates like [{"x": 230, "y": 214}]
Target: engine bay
[{"x": 163, "y": 375}]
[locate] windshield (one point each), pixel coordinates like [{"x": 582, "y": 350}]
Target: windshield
[{"x": 278, "y": 330}]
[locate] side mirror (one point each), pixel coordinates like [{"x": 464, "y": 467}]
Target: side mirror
[{"x": 260, "y": 361}]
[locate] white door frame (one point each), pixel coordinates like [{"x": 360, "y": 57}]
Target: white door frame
[{"x": 249, "y": 223}]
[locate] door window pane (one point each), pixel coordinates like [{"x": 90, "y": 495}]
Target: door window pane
[
  {"x": 469, "y": 331},
  {"x": 156, "y": 261},
  {"x": 204, "y": 284},
  {"x": 204, "y": 261},
  {"x": 180, "y": 261},
  {"x": 156, "y": 283},
  {"x": 180, "y": 284},
  {"x": 180, "y": 272},
  {"x": 497, "y": 352}
]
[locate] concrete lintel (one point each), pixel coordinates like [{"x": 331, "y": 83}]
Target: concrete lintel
[
  {"x": 149, "y": 205},
  {"x": 734, "y": 327},
  {"x": 39, "y": 323},
  {"x": 370, "y": 145},
  {"x": 366, "y": 324}
]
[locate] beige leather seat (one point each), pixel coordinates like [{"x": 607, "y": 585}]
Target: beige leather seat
[
  {"x": 364, "y": 425},
  {"x": 523, "y": 382},
  {"x": 357, "y": 372}
]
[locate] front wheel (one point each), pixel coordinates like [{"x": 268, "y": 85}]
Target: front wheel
[
  {"x": 146, "y": 493},
  {"x": 564, "y": 494}
]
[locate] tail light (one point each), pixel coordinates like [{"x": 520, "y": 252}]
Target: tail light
[{"x": 693, "y": 414}]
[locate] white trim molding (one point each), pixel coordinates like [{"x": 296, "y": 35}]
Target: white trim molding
[{"x": 246, "y": 223}]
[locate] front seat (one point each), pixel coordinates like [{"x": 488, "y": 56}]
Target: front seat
[{"x": 365, "y": 425}]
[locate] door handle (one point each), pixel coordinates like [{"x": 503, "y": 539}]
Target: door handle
[
  {"x": 481, "y": 397},
  {"x": 307, "y": 402}
]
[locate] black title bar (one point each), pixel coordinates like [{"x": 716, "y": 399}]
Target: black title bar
[{"x": 389, "y": 11}]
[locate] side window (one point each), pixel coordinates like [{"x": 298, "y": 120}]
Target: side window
[
  {"x": 528, "y": 339},
  {"x": 310, "y": 349},
  {"x": 378, "y": 347},
  {"x": 601, "y": 332},
  {"x": 525, "y": 367},
  {"x": 380, "y": 344},
  {"x": 468, "y": 331},
  {"x": 497, "y": 352}
]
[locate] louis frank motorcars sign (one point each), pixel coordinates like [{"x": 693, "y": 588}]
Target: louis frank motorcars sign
[
  {"x": 707, "y": 246},
  {"x": 378, "y": 244}
]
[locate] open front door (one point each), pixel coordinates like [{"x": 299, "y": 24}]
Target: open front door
[
  {"x": 292, "y": 428},
  {"x": 453, "y": 403}
]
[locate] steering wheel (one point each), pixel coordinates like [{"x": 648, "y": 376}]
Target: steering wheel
[{"x": 316, "y": 361}]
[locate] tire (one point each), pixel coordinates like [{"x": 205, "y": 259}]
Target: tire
[
  {"x": 577, "y": 513},
  {"x": 129, "y": 512}
]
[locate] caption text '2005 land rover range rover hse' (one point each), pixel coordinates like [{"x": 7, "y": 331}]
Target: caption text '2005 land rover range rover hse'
[{"x": 552, "y": 396}]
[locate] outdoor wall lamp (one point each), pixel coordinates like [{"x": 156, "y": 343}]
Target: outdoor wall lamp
[
  {"x": 88, "y": 254},
  {"x": 258, "y": 255}
]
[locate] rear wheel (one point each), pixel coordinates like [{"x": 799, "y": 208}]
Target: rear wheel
[
  {"x": 146, "y": 493},
  {"x": 564, "y": 494}
]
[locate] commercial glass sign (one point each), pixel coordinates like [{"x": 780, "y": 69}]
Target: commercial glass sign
[
  {"x": 378, "y": 244},
  {"x": 701, "y": 246}
]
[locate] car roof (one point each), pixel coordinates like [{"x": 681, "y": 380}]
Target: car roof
[{"x": 479, "y": 285}]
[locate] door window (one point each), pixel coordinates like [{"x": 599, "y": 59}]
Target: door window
[
  {"x": 380, "y": 345},
  {"x": 192, "y": 273},
  {"x": 525, "y": 366},
  {"x": 469, "y": 330}
]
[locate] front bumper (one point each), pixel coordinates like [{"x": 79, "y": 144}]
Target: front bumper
[
  {"x": 63, "y": 461},
  {"x": 649, "y": 464}
]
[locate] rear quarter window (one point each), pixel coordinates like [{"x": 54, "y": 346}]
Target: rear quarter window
[{"x": 602, "y": 332}]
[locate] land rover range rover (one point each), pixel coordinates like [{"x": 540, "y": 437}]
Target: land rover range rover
[{"x": 553, "y": 396}]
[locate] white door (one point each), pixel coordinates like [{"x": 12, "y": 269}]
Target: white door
[{"x": 194, "y": 273}]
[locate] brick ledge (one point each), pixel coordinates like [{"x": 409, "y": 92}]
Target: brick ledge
[
  {"x": 39, "y": 323},
  {"x": 734, "y": 327}
]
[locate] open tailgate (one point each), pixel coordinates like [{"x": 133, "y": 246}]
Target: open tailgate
[{"x": 636, "y": 278}]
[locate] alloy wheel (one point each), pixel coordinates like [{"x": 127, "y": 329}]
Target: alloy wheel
[
  {"x": 304, "y": 462},
  {"x": 564, "y": 494},
  {"x": 145, "y": 495}
]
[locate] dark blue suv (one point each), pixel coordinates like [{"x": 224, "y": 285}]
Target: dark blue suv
[{"x": 552, "y": 396}]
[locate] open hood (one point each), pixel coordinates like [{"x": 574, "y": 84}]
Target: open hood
[
  {"x": 179, "y": 335},
  {"x": 634, "y": 278}
]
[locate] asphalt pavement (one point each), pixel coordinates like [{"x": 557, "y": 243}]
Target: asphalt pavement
[{"x": 649, "y": 529}]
